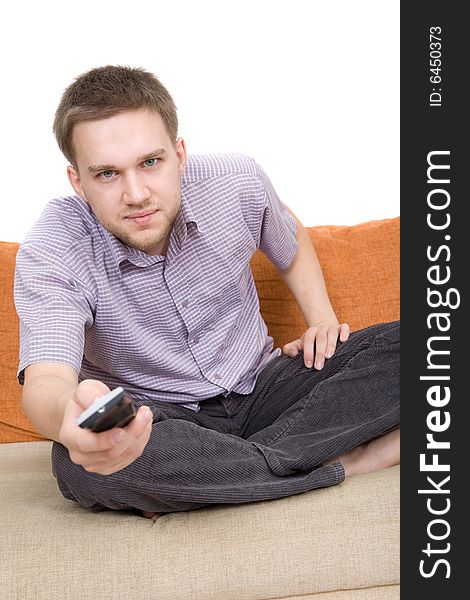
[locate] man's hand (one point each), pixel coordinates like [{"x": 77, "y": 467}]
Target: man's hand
[
  {"x": 318, "y": 343},
  {"x": 108, "y": 451}
]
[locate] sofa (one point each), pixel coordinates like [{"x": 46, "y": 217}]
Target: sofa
[{"x": 337, "y": 543}]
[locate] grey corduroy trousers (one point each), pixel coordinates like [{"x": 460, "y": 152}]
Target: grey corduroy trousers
[{"x": 268, "y": 444}]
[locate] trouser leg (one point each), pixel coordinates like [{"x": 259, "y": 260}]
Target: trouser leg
[
  {"x": 354, "y": 399},
  {"x": 185, "y": 466},
  {"x": 268, "y": 444}
]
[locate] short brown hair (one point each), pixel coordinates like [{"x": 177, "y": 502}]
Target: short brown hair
[{"x": 105, "y": 92}]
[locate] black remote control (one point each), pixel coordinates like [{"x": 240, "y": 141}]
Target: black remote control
[{"x": 114, "y": 409}]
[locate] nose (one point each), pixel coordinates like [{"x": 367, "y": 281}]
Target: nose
[{"x": 135, "y": 190}]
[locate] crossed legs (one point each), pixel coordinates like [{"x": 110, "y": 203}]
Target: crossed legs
[{"x": 298, "y": 430}]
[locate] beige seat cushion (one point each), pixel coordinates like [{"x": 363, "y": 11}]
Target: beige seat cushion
[{"x": 331, "y": 540}]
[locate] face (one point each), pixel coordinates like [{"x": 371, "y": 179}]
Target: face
[{"x": 129, "y": 172}]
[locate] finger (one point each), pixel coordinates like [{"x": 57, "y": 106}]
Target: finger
[
  {"x": 118, "y": 458},
  {"x": 125, "y": 438},
  {"x": 332, "y": 341},
  {"x": 102, "y": 469},
  {"x": 344, "y": 332},
  {"x": 121, "y": 453},
  {"x": 88, "y": 391},
  {"x": 321, "y": 342},
  {"x": 309, "y": 346},
  {"x": 105, "y": 468},
  {"x": 88, "y": 447},
  {"x": 122, "y": 438},
  {"x": 84, "y": 442},
  {"x": 139, "y": 424},
  {"x": 293, "y": 348},
  {"x": 78, "y": 439}
]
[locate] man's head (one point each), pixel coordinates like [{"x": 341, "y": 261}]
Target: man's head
[
  {"x": 105, "y": 92},
  {"x": 118, "y": 126}
]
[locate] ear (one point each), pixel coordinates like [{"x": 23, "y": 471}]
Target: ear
[
  {"x": 180, "y": 147},
  {"x": 74, "y": 179}
]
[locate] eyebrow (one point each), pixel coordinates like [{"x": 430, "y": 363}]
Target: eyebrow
[{"x": 154, "y": 154}]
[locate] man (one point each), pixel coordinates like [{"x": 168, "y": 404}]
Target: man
[{"x": 142, "y": 280}]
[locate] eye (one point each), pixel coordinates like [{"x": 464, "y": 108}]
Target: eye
[
  {"x": 106, "y": 174},
  {"x": 150, "y": 162}
]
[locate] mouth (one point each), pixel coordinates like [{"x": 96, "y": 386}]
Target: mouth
[{"x": 141, "y": 218}]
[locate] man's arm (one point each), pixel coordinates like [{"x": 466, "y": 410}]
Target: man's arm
[
  {"x": 53, "y": 399},
  {"x": 47, "y": 389},
  {"x": 305, "y": 280}
]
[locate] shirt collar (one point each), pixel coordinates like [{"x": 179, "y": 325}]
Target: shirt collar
[
  {"x": 189, "y": 212},
  {"x": 122, "y": 253}
]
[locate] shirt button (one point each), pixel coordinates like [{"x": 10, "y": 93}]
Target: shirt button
[
  {"x": 217, "y": 376},
  {"x": 184, "y": 303}
]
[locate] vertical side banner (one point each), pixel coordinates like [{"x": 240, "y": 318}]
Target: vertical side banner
[{"x": 435, "y": 268}]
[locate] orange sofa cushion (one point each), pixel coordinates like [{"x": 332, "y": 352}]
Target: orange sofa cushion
[{"x": 361, "y": 268}]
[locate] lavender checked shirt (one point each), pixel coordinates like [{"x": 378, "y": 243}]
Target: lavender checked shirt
[{"x": 178, "y": 328}]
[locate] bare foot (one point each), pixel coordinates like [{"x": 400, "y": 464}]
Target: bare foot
[
  {"x": 378, "y": 454},
  {"x": 151, "y": 515}
]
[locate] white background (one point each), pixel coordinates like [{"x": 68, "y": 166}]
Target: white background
[{"x": 309, "y": 88}]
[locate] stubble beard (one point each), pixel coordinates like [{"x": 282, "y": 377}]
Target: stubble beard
[
  {"x": 154, "y": 239},
  {"x": 148, "y": 240}
]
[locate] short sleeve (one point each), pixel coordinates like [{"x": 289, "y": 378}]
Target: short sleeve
[
  {"x": 278, "y": 229},
  {"x": 54, "y": 309}
]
